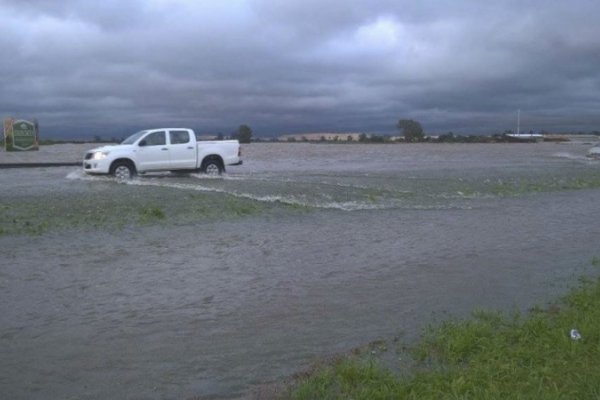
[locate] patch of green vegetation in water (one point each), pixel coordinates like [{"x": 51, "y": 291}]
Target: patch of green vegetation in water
[
  {"x": 149, "y": 214},
  {"x": 125, "y": 206},
  {"x": 581, "y": 180},
  {"x": 513, "y": 186}
]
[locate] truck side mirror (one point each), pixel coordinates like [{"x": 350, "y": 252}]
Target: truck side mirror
[{"x": 142, "y": 143}]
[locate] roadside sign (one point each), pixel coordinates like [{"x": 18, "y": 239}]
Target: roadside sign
[{"x": 20, "y": 135}]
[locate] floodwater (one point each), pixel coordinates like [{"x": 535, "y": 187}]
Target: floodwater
[{"x": 344, "y": 244}]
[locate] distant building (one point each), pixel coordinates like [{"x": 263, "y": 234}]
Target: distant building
[{"x": 321, "y": 137}]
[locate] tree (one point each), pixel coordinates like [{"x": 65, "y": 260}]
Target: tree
[
  {"x": 448, "y": 137},
  {"x": 243, "y": 134},
  {"x": 411, "y": 129}
]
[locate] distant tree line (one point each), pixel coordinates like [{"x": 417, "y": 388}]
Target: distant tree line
[{"x": 411, "y": 131}]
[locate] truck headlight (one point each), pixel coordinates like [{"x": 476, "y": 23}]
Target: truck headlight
[{"x": 99, "y": 155}]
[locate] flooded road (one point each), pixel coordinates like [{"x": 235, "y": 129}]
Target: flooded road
[{"x": 170, "y": 287}]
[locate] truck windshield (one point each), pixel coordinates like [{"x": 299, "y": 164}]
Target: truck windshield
[{"x": 131, "y": 139}]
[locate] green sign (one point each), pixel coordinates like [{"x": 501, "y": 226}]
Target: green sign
[{"x": 20, "y": 135}]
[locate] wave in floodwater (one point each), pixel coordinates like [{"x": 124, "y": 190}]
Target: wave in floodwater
[
  {"x": 574, "y": 157},
  {"x": 79, "y": 175},
  {"x": 302, "y": 192},
  {"x": 269, "y": 198}
]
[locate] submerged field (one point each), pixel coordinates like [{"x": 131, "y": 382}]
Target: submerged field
[{"x": 175, "y": 286}]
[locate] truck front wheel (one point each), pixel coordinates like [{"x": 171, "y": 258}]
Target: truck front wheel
[
  {"x": 122, "y": 170},
  {"x": 212, "y": 166}
]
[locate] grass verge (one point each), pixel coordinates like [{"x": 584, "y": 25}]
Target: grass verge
[{"x": 489, "y": 356}]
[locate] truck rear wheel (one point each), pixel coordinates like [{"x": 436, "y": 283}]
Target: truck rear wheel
[
  {"x": 212, "y": 166},
  {"x": 122, "y": 170}
]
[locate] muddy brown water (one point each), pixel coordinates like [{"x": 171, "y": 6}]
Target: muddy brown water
[{"x": 388, "y": 238}]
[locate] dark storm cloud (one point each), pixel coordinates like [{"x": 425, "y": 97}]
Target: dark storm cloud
[{"x": 84, "y": 68}]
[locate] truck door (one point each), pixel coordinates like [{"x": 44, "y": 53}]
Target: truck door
[
  {"x": 153, "y": 153},
  {"x": 182, "y": 149}
]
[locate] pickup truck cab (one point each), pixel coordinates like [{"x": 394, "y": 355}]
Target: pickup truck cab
[{"x": 164, "y": 149}]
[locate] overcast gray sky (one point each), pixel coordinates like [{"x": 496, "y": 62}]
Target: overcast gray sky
[{"x": 85, "y": 68}]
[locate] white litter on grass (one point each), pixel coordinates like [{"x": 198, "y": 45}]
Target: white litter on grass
[{"x": 575, "y": 335}]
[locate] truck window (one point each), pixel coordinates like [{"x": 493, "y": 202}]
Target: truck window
[
  {"x": 155, "y": 139},
  {"x": 178, "y": 137},
  {"x": 132, "y": 139}
]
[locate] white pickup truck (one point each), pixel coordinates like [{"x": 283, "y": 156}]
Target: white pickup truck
[
  {"x": 594, "y": 152},
  {"x": 164, "y": 149}
]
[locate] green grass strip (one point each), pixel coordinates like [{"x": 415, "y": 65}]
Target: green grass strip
[{"x": 489, "y": 356}]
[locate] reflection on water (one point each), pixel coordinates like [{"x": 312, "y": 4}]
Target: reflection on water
[{"x": 338, "y": 245}]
